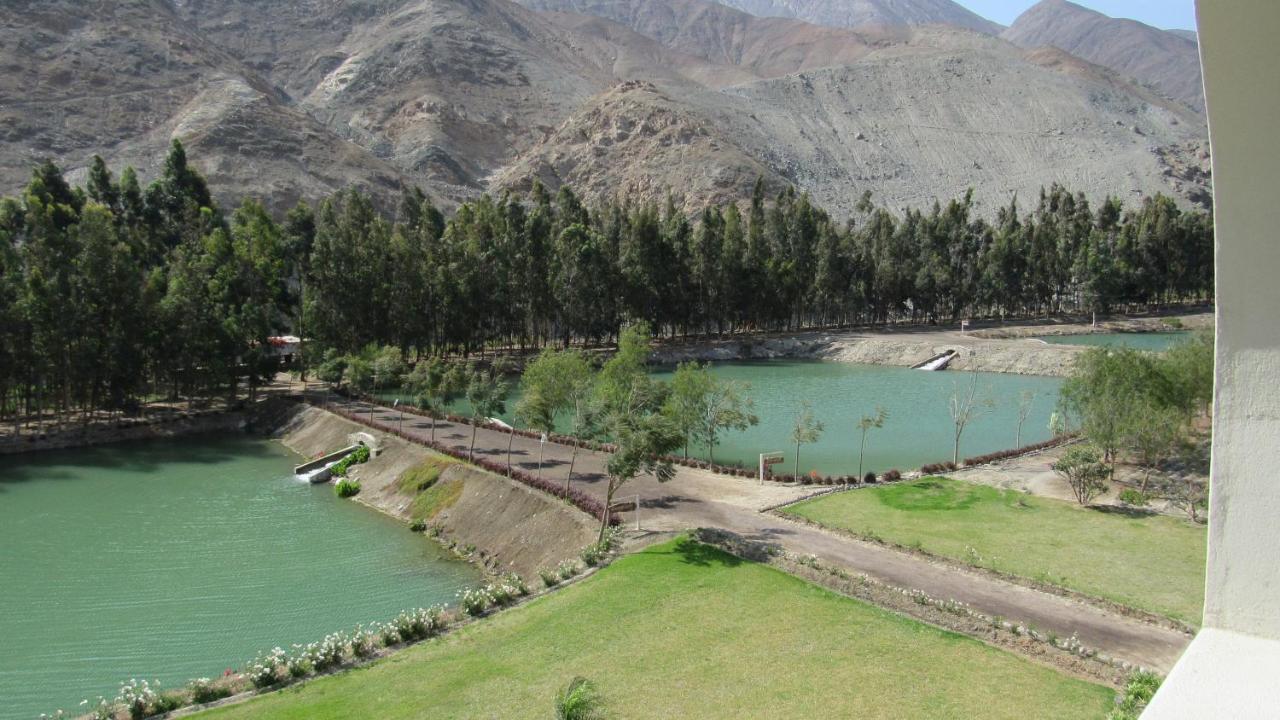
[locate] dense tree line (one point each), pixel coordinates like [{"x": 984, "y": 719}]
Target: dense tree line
[
  {"x": 111, "y": 291},
  {"x": 549, "y": 269}
]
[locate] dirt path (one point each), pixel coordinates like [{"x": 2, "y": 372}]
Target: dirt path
[{"x": 701, "y": 499}]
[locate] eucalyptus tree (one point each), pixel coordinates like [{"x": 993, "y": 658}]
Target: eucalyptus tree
[
  {"x": 965, "y": 406},
  {"x": 690, "y": 385},
  {"x": 1026, "y": 402},
  {"x": 556, "y": 382},
  {"x": 434, "y": 384},
  {"x": 865, "y": 424},
  {"x": 487, "y": 392},
  {"x": 805, "y": 429}
]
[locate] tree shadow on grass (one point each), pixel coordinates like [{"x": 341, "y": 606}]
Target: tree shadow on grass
[
  {"x": 692, "y": 552},
  {"x": 1129, "y": 512}
]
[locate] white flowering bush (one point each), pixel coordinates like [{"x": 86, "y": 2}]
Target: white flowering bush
[
  {"x": 475, "y": 601},
  {"x": 518, "y": 584},
  {"x": 387, "y": 633},
  {"x": 501, "y": 592},
  {"x": 297, "y": 663},
  {"x": 420, "y": 623},
  {"x": 328, "y": 653},
  {"x": 204, "y": 690},
  {"x": 264, "y": 671},
  {"x": 137, "y": 696},
  {"x": 567, "y": 569},
  {"x": 363, "y": 642},
  {"x": 549, "y": 577}
]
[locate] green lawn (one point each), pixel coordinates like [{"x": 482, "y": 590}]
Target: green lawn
[
  {"x": 1155, "y": 563},
  {"x": 684, "y": 631}
]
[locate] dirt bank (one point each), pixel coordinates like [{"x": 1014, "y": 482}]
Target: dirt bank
[
  {"x": 512, "y": 528},
  {"x": 1007, "y": 348}
]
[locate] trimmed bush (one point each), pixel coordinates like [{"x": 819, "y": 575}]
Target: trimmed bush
[
  {"x": 893, "y": 475},
  {"x": 346, "y": 488},
  {"x": 869, "y": 478}
]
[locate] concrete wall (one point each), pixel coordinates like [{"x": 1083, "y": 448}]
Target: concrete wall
[{"x": 1242, "y": 83}]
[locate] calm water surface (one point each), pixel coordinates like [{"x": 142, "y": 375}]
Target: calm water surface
[
  {"x": 918, "y": 431},
  {"x": 1152, "y": 341},
  {"x": 172, "y": 560}
]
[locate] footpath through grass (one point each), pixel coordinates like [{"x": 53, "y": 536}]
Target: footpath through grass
[
  {"x": 684, "y": 631},
  {"x": 1151, "y": 562}
]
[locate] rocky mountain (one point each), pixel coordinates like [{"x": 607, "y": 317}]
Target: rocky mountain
[
  {"x": 297, "y": 98},
  {"x": 1166, "y": 60},
  {"x": 859, "y": 13}
]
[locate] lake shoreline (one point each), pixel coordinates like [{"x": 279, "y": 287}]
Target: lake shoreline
[{"x": 1002, "y": 348}]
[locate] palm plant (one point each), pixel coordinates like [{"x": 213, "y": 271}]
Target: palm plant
[{"x": 579, "y": 700}]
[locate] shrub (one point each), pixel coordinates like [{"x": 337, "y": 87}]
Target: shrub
[
  {"x": 567, "y": 569},
  {"x": 869, "y": 478},
  {"x": 1133, "y": 699},
  {"x": 475, "y": 601},
  {"x": 419, "y": 624},
  {"x": 357, "y": 456},
  {"x": 517, "y": 582},
  {"x": 1131, "y": 496},
  {"x": 204, "y": 690},
  {"x": 594, "y": 553},
  {"x": 167, "y": 702},
  {"x": 363, "y": 643},
  {"x": 549, "y": 577},
  {"x": 893, "y": 476},
  {"x": 298, "y": 665},
  {"x": 418, "y": 526},
  {"x": 264, "y": 671},
  {"x": 346, "y": 488},
  {"x": 137, "y": 696}
]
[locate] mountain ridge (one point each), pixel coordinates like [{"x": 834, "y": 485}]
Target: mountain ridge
[{"x": 297, "y": 99}]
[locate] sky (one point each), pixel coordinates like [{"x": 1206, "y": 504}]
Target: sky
[{"x": 1167, "y": 14}]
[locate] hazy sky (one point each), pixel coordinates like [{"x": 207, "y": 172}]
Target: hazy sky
[{"x": 1160, "y": 13}]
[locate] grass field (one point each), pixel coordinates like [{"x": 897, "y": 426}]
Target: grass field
[
  {"x": 684, "y": 631},
  {"x": 1155, "y": 563}
]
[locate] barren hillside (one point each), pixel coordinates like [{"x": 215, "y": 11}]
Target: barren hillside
[
  {"x": 1169, "y": 61},
  {"x": 134, "y": 75},
  {"x": 859, "y": 13},
  {"x": 297, "y": 98}
]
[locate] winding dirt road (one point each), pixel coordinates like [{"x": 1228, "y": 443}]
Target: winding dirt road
[{"x": 697, "y": 498}]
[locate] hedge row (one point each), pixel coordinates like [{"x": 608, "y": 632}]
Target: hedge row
[
  {"x": 935, "y": 468},
  {"x": 580, "y": 499},
  {"x": 1015, "y": 452}
]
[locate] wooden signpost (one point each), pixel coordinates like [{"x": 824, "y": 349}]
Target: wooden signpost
[{"x": 767, "y": 460}]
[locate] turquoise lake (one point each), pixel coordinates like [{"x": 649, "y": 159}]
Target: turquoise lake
[{"x": 171, "y": 560}]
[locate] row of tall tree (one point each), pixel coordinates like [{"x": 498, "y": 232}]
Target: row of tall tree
[
  {"x": 529, "y": 272},
  {"x": 111, "y": 292}
]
